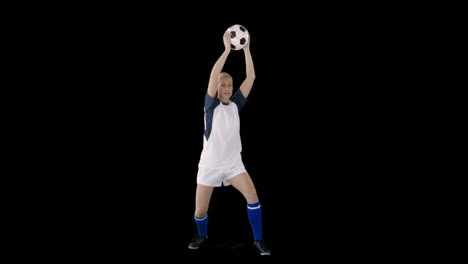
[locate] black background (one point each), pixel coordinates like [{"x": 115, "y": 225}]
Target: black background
[{"x": 317, "y": 131}]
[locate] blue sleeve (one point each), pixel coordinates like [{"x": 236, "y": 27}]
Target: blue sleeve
[
  {"x": 239, "y": 99},
  {"x": 210, "y": 103}
]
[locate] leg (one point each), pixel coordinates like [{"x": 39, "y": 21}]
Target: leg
[
  {"x": 244, "y": 184},
  {"x": 202, "y": 200}
]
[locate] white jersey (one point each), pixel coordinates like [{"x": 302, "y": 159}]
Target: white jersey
[{"x": 221, "y": 140}]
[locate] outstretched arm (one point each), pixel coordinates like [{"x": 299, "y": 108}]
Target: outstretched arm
[
  {"x": 212, "y": 85},
  {"x": 246, "y": 86}
]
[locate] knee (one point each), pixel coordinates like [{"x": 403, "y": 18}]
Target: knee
[
  {"x": 251, "y": 194},
  {"x": 201, "y": 212}
]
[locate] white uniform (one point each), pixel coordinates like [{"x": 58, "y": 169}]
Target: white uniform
[{"x": 221, "y": 156}]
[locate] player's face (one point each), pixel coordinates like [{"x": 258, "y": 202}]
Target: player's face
[{"x": 225, "y": 88}]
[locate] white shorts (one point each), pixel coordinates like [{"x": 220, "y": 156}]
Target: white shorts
[{"x": 214, "y": 177}]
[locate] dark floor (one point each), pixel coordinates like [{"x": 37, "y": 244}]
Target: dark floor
[{"x": 224, "y": 249}]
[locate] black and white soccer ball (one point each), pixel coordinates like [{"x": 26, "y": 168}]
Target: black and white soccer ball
[{"x": 239, "y": 36}]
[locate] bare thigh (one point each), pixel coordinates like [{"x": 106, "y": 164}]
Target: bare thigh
[{"x": 244, "y": 184}]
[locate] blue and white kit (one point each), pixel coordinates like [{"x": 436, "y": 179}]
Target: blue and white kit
[{"x": 221, "y": 155}]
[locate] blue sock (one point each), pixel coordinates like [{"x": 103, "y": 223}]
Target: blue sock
[
  {"x": 255, "y": 217},
  {"x": 202, "y": 225}
]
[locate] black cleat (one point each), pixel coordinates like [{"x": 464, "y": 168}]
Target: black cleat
[
  {"x": 262, "y": 247},
  {"x": 197, "y": 241}
]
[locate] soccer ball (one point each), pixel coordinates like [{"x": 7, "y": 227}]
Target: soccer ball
[{"x": 239, "y": 36}]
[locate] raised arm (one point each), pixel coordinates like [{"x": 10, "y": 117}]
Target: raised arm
[
  {"x": 218, "y": 67},
  {"x": 247, "y": 84}
]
